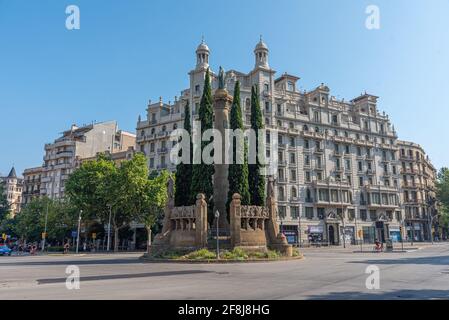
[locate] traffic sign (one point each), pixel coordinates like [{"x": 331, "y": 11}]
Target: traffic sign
[{"x": 74, "y": 234}]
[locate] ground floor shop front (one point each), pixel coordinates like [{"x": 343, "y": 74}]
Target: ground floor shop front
[{"x": 334, "y": 233}]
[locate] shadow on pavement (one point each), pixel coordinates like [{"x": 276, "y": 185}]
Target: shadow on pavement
[
  {"x": 392, "y": 295},
  {"x": 437, "y": 260},
  {"x": 125, "y": 276}
]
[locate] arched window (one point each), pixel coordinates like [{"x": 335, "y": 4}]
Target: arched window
[
  {"x": 164, "y": 128},
  {"x": 305, "y": 128},
  {"x": 153, "y": 131},
  {"x": 175, "y": 126},
  {"x": 317, "y": 130},
  {"x": 142, "y": 133}
]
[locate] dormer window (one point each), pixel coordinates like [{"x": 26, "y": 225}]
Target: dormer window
[{"x": 290, "y": 86}]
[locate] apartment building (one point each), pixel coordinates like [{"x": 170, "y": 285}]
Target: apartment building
[
  {"x": 65, "y": 153},
  {"x": 31, "y": 184},
  {"x": 339, "y": 177}
]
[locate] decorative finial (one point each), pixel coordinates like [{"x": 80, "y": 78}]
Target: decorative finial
[
  {"x": 202, "y": 39},
  {"x": 261, "y": 38}
]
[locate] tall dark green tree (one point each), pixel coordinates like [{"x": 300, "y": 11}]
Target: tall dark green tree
[
  {"x": 238, "y": 173},
  {"x": 202, "y": 174},
  {"x": 255, "y": 178},
  {"x": 184, "y": 170}
]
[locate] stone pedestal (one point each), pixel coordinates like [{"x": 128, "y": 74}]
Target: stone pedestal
[{"x": 222, "y": 107}]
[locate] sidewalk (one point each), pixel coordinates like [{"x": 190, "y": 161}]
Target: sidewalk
[{"x": 369, "y": 248}]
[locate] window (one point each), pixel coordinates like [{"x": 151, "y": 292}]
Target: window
[
  {"x": 308, "y": 196},
  {"x": 293, "y": 176},
  {"x": 151, "y": 163},
  {"x": 306, "y": 144},
  {"x": 267, "y": 106},
  {"x": 282, "y": 212},
  {"x": 323, "y": 195},
  {"x": 348, "y": 164},
  {"x": 361, "y": 181},
  {"x": 266, "y": 87},
  {"x": 307, "y": 160},
  {"x": 152, "y": 147},
  {"x": 292, "y": 158},
  {"x": 316, "y": 116},
  {"x": 292, "y": 141},
  {"x": 294, "y": 212},
  {"x": 309, "y": 213},
  {"x": 363, "y": 215},
  {"x": 290, "y": 86},
  {"x": 197, "y": 89},
  {"x": 281, "y": 194},
  {"x": 321, "y": 213},
  {"x": 319, "y": 176},
  {"x": 247, "y": 104},
  {"x": 294, "y": 192},
  {"x": 307, "y": 177},
  {"x": 267, "y": 136},
  {"x": 360, "y": 166}
]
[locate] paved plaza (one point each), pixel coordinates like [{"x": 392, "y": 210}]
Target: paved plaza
[{"x": 323, "y": 274}]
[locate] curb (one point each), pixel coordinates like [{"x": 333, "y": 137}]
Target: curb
[{"x": 146, "y": 260}]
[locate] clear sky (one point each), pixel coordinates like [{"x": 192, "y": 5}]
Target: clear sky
[{"x": 128, "y": 52}]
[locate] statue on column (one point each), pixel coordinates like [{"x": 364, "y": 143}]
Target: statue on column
[{"x": 221, "y": 79}]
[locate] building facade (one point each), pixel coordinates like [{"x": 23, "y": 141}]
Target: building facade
[
  {"x": 418, "y": 191},
  {"x": 31, "y": 185},
  {"x": 339, "y": 177},
  {"x": 64, "y": 155},
  {"x": 13, "y": 187}
]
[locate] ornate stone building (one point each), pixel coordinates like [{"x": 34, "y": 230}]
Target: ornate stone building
[
  {"x": 338, "y": 172},
  {"x": 13, "y": 186},
  {"x": 418, "y": 190}
]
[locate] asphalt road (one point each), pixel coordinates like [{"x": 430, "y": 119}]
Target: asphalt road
[{"x": 323, "y": 274}]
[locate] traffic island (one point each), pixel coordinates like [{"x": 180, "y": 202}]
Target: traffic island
[{"x": 205, "y": 256}]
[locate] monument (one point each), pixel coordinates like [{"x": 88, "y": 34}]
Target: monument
[{"x": 248, "y": 227}]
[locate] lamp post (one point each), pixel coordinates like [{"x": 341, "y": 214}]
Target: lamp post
[
  {"x": 109, "y": 228},
  {"x": 217, "y": 217},
  {"x": 78, "y": 233},
  {"x": 44, "y": 236},
  {"x": 342, "y": 213},
  {"x": 299, "y": 230}
]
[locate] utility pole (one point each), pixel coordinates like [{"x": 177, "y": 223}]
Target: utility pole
[{"x": 78, "y": 234}]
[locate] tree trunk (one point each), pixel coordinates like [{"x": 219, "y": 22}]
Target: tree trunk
[
  {"x": 149, "y": 232},
  {"x": 116, "y": 239}
]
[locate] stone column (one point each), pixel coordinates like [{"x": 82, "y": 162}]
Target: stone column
[
  {"x": 201, "y": 221},
  {"x": 222, "y": 106},
  {"x": 235, "y": 217}
]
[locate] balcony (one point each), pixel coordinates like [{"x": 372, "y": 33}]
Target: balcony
[
  {"x": 162, "y": 150},
  {"x": 319, "y": 151}
]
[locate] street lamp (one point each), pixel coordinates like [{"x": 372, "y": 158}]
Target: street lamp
[
  {"x": 44, "y": 236},
  {"x": 342, "y": 213},
  {"x": 217, "y": 217},
  {"x": 78, "y": 234},
  {"x": 109, "y": 228}
]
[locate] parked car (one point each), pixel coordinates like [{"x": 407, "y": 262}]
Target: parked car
[{"x": 5, "y": 250}]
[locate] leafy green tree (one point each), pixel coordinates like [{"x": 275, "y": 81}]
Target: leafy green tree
[
  {"x": 238, "y": 173},
  {"x": 202, "y": 175},
  {"x": 59, "y": 216},
  {"x": 442, "y": 186},
  {"x": 183, "y": 195},
  {"x": 153, "y": 202},
  {"x": 256, "y": 179}
]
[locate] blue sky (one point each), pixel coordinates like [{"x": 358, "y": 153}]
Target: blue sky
[{"x": 127, "y": 52}]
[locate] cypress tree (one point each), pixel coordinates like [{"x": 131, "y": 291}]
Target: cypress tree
[
  {"x": 184, "y": 170},
  {"x": 238, "y": 173},
  {"x": 202, "y": 174},
  {"x": 256, "y": 180}
]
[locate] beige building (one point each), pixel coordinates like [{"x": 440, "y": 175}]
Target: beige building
[
  {"x": 13, "y": 187},
  {"x": 117, "y": 157},
  {"x": 64, "y": 154},
  {"x": 338, "y": 171},
  {"x": 31, "y": 184},
  {"x": 418, "y": 190}
]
